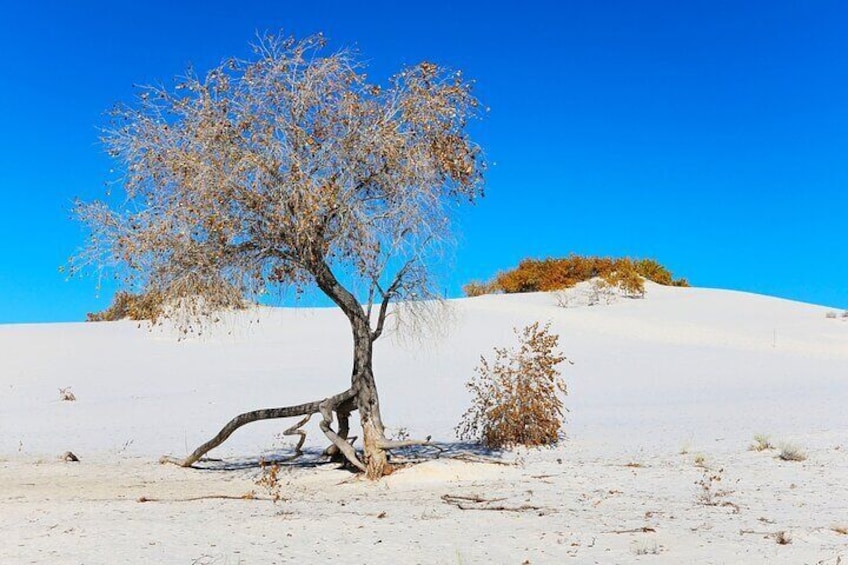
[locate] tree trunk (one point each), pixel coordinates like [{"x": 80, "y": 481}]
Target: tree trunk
[{"x": 362, "y": 377}]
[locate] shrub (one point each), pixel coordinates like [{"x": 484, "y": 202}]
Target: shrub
[
  {"x": 143, "y": 306},
  {"x": 626, "y": 277},
  {"x": 517, "y": 399},
  {"x": 190, "y": 294},
  {"x": 789, "y": 452},
  {"x": 761, "y": 442},
  {"x": 652, "y": 270},
  {"x": 545, "y": 275},
  {"x": 475, "y": 288}
]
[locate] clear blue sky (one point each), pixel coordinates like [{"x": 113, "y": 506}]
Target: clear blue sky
[{"x": 710, "y": 135}]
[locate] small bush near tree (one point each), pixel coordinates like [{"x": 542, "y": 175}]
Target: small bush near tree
[{"x": 517, "y": 398}]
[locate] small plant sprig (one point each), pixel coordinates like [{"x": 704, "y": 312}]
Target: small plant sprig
[
  {"x": 761, "y": 442},
  {"x": 270, "y": 480},
  {"x": 710, "y": 493}
]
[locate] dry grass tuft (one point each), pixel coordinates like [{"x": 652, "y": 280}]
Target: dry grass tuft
[
  {"x": 66, "y": 395},
  {"x": 789, "y": 452},
  {"x": 782, "y": 537},
  {"x": 762, "y": 442},
  {"x": 646, "y": 549}
]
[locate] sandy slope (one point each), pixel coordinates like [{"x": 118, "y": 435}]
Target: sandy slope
[{"x": 658, "y": 384}]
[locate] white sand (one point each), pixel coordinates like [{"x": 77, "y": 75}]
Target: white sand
[{"x": 683, "y": 375}]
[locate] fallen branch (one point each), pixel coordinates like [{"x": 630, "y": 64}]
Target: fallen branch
[
  {"x": 246, "y": 496},
  {"x": 642, "y": 530},
  {"x": 479, "y": 503},
  {"x": 480, "y": 459}
]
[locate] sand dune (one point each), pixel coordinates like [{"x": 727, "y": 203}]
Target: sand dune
[{"x": 664, "y": 393}]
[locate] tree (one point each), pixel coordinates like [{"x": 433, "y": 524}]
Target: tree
[{"x": 290, "y": 168}]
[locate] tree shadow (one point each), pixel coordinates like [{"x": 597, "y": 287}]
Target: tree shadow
[{"x": 311, "y": 458}]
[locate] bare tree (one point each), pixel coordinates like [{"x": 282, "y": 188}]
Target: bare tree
[{"x": 289, "y": 168}]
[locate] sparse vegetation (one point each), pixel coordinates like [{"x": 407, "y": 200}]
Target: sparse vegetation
[
  {"x": 547, "y": 275},
  {"x": 646, "y": 549},
  {"x": 761, "y": 442},
  {"x": 783, "y": 537},
  {"x": 191, "y": 294},
  {"x": 790, "y": 452},
  {"x": 126, "y": 305},
  {"x": 709, "y": 491},
  {"x": 269, "y": 479},
  {"x": 476, "y": 288},
  {"x": 517, "y": 398},
  {"x": 66, "y": 395}
]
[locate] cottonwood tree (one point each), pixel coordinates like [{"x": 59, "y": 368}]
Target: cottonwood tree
[{"x": 290, "y": 168}]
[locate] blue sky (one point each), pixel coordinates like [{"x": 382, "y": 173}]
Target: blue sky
[{"x": 712, "y": 136}]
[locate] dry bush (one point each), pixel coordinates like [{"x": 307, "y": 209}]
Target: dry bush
[
  {"x": 789, "y": 452},
  {"x": 831, "y": 315},
  {"x": 761, "y": 442},
  {"x": 624, "y": 276},
  {"x": 186, "y": 297},
  {"x": 126, "y": 305},
  {"x": 545, "y": 275},
  {"x": 782, "y": 537},
  {"x": 517, "y": 399},
  {"x": 475, "y": 288},
  {"x": 65, "y": 394},
  {"x": 600, "y": 290}
]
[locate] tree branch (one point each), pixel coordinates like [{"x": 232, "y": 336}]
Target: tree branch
[
  {"x": 307, "y": 408},
  {"x": 388, "y": 295}
]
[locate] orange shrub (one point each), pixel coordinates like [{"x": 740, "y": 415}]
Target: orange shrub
[
  {"x": 144, "y": 306},
  {"x": 517, "y": 399},
  {"x": 534, "y": 275}
]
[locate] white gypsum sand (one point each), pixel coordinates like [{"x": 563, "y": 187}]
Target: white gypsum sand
[{"x": 666, "y": 393}]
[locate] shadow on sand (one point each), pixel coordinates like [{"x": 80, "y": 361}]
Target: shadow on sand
[{"x": 315, "y": 457}]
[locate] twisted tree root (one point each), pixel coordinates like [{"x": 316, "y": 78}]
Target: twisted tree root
[{"x": 325, "y": 407}]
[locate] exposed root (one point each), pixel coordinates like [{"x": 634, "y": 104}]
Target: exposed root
[
  {"x": 343, "y": 411},
  {"x": 326, "y": 410},
  {"x": 306, "y": 409},
  {"x": 296, "y": 430}
]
